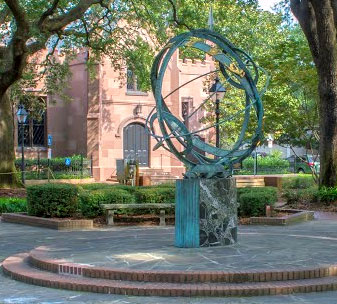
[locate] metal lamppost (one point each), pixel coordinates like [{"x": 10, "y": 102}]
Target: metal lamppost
[
  {"x": 219, "y": 91},
  {"x": 22, "y": 117}
]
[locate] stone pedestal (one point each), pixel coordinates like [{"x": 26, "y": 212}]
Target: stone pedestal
[{"x": 206, "y": 212}]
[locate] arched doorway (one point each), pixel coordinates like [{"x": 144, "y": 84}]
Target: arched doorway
[{"x": 136, "y": 143}]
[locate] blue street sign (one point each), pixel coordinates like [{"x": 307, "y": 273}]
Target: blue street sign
[
  {"x": 67, "y": 161},
  {"x": 50, "y": 140}
]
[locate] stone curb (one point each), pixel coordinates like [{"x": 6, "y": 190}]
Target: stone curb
[
  {"x": 20, "y": 218},
  {"x": 17, "y": 268},
  {"x": 297, "y": 217},
  {"x": 38, "y": 259}
]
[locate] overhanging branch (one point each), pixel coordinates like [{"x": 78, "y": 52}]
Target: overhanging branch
[
  {"x": 50, "y": 11},
  {"x": 175, "y": 16},
  {"x": 58, "y": 23},
  {"x": 18, "y": 13}
]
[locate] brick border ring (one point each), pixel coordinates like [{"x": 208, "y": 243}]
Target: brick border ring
[
  {"x": 36, "y": 268},
  {"x": 39, "y": 260}
]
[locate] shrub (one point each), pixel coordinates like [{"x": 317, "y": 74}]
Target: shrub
[
  {"x": 52, "y": 200},
  {"x": 96, "y": 186},
  {"x": 265, "y": 164},
  {"x": 297, "y": 196},
  {"x": 12, "y": 205},
  {"x": 103, "y": 186},
  {"x": 253, "y": 201},
  {"x": 310, "y": 195},
  {"x": 155, "y": 195},
  {"x": 130, "y": 189},
  {"x": 299, "y": 190},
  {"x": 90, "y": 201},
  {"x": 298, "y": 182},
  {"x": 327, "y": 195},
  {"x": 96, "y": 194},
  {"x": 291, "y": 196},
  {"x": 163, "y": 185}
]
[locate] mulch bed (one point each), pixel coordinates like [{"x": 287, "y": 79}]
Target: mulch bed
[
  {"x": 331, "y": 207},
  {"x": 21, "y": 192}
]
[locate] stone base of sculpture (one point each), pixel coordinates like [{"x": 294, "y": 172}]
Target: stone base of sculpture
[{"x": 206, "y": 212}]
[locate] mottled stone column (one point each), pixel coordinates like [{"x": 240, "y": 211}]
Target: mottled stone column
[
  {"x": 206, "y": 212},
  {"x": 218, "y": 212}
]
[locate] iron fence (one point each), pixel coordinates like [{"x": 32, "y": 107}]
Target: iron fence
[{"x": 56, "y": 168}]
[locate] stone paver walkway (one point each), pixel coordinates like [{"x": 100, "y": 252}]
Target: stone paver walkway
[
  {"x": 151, "y": 248},
  {"x": 309, "y": 244}
]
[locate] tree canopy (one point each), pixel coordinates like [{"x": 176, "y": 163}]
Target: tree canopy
[{"x": 280, "y": 47}]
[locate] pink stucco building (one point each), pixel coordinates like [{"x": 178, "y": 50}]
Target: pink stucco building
[{"x": 105, "y": 119}]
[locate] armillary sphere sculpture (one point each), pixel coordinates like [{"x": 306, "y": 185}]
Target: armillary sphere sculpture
[{"x": 238, "y": 70}]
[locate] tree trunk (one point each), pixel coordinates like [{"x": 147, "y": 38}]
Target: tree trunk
[
  {"x": 327, "y": 72},
  {"x": 318, "y": 20},
  {"x": 328, "y": 130},
  {"x": 8, "y": 179}
]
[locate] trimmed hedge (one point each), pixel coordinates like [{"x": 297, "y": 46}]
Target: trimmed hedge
[
  {"x": 52, "y": 200},
  {"x": 97, "y": 186},
  {"x": 64, "y": 200},
  {"x": 12, "y": 205},
  {"x": 155, "y": 195},
  {"x": 93, "y": 195},
  {"x": 253, "y": 201},
  {"x": 90, "y": 201}
]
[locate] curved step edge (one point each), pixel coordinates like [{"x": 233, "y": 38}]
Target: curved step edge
[
  {"x": 38, "y": 259},
  {"x": 18, "y": 268}
]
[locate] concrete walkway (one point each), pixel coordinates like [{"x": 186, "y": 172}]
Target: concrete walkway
[{"x": 309, "y": 244}]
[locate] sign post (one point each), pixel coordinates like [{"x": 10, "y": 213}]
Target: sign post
[
  {"x": 67, "y": 162},
  {"x": 50, "y": 142}
]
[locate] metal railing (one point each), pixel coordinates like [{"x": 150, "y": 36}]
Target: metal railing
[{"x": 58, "y": 168}]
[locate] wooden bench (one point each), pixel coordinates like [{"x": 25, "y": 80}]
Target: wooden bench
[{"x": 111, "y": 208}]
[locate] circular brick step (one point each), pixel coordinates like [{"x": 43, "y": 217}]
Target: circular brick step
[
  {"x": 38, "y": 258},
  {"x": 18, "y": 268}
]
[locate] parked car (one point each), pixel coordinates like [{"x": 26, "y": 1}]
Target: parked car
[{"x": 304, "y": 163}]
